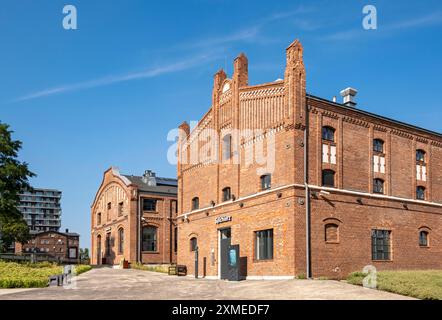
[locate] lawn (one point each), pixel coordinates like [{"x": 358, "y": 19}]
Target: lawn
[
  {"x": 26, "y": 275},
  {"x": 425, "y": 285}
]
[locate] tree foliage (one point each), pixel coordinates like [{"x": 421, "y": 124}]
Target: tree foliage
[{"x": 14, "y": 177}]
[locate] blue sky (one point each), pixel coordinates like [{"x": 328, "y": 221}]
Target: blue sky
[{"x": 108, "y": 93}]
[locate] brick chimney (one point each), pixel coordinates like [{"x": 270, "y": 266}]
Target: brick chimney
[{"x": 241, "y": 70}]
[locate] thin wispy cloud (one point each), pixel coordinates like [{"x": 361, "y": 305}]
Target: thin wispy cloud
[
  {"x": 253, "y": 33},
  {"x": 112, "y": 79},
  {"x": 424, "y": 21},
  {"x": 388, "y": 29}
]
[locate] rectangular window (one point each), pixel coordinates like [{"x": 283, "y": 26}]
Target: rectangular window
[
  {"x": 266, "y": 182},
  {"x": 379, "y": 164},
  {"x": 149, "y": 205},
  {"x": 380, "y": 244},
  {"x": 120, "y": 209},
  {"x": 328, "y": 154},
  {"x": 109, "y": 206},
  {"x": 264, "y": 244},
  {"x": 227, "y": 194}
]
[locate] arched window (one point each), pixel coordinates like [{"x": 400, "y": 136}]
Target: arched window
[
  {"x": 195, "y": 203},
  {"x": 120, "y": 241},
  {"x": 328, "y": 134},
  {"x": 227, "y": 146},
  {"x": 193, "y": 244},
  {"x": 378, "y": 146},
  {"x": 266, "y": 181},
  {"x": 423, "y": 238},
  {"x": 108, "y": 212},
  {"x": 149, "y": 239},
  {"x": 227, "y": 195},
  {"x": 420, "y": 156},
  {"x": 420, "y": 193},
  {"x": 332, "y": 233},
  {"x": 98, "y": 218},
  {"x": 328, "y": 178},
  {"x": 378, "y": 186}
]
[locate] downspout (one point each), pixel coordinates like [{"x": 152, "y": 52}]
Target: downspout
[
  {"x": 307, "y": 197},
  {"x": 139, "y": 229},
  {"x": 170, "y": 231}
]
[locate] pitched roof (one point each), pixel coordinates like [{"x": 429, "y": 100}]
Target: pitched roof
[
  {"x": 399, "y": 123},
  {"x": 164, "y": 185}
]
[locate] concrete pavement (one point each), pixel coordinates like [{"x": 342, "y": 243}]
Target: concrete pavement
[{"x": 115, "y": 284}]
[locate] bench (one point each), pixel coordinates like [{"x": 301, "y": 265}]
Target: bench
[{"x": 177, "y": 270}]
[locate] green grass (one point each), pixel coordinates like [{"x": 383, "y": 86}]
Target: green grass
[
  {"x": 425, "y": 285},
  {"x": 159, "y": 268},
  {"x": 27, "y": 275}
]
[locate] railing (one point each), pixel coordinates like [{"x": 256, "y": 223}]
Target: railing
[{"x": 37, "y": 257}]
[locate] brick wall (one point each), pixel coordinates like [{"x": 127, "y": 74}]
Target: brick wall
[
  {"x": 278, "y": 110},
  {"x": 115, "y": 190}
]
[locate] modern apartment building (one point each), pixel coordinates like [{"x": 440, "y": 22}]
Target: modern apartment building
[
  {"x": 41, "y": 209},
  {"x": 304, "y": 185}
]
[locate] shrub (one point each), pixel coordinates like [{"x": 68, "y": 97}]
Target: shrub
[
  {"x": 153, "y": 268},
  {"x": 82, "y": 268},
  {"x": 31, "y": 275}
]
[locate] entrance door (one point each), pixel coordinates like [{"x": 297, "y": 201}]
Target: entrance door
[
  {"x": 108, "y": 249},
  {"x": 225, "y": 241},
  {"x": 98, "y": 250}
]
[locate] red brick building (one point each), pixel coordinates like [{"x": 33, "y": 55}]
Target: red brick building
[
  {"x": 304, "y": 185},
  {"x": 134, "y": 218},
  {"x": 63, "y": 246}
]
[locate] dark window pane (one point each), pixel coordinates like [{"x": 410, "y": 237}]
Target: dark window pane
[
  {"x": 380, "y": 240},
  {"x": 226, "y": 194},
  {"x": 378, "y": 145},
  {"x": 149, "y": 205},
  {"x": 265, "y": 182},
  {"x": 420, "y": 193},
  {"x": 328, "y": 178},
  {"x": 378, "y": 186},
  {"x": 195, "y": 203},
  {"x": 264, "y": 245},
  {"x": 227, "y": 147},
  {"x": 328, "y": 133},
  {"x": 175, "y": 239},
  {"x": 423, "y": 238},
  {"x": 149, "y": 239},
  {"x": 420, "y": 155},
  {"x": 121, "y": 241},
  {"x": 193, "y": 244}
]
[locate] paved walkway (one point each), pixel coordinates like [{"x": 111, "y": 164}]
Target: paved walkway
[{"x": 107, "y": 283}]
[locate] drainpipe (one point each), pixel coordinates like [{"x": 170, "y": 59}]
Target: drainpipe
[
  {"x": 308, "y": 259},
  {"x": 139, "y": 229}
]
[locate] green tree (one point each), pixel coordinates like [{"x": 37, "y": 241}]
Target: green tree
[
  {"x": 14, "y": 177},
  {"x": 84, "y": 255}
]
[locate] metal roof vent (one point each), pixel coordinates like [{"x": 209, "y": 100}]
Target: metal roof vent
[
  {"x": 149, "y": 178},
  {"x": 349, "y": 96}
]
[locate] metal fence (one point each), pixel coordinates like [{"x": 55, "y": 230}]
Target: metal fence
[{"x": 37, "y": 257}]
